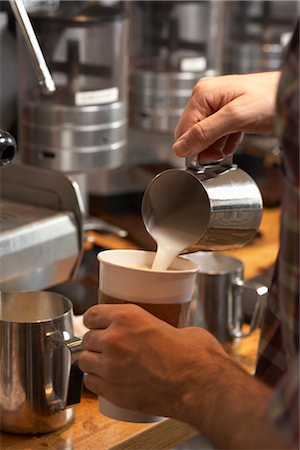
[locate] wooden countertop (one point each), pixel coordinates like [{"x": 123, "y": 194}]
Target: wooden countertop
[{"x": 91, "y": 430}]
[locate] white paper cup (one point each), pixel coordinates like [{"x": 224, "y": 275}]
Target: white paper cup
[{"x": 123, "y": 278}]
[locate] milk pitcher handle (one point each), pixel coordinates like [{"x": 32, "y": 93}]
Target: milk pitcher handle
[
  {"x": 192, "y": 162},
  {"x": 76, "y": 375},
  {"x": 236, "y": 307},
  {"x": 74, "y": 380}
]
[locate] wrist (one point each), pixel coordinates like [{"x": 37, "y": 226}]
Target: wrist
[{"x": 209, "y": 390}]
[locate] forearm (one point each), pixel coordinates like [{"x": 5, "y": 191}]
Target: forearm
[{"x": 229, "y": 407}]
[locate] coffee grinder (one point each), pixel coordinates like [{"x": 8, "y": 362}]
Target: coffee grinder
[
  {"x": 82, "y": 124},
  {"x": 171, "y": 45},
  {"x": 179, "y": 42}
]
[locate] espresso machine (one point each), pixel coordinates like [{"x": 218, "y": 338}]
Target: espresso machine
[{"x": 41, "y": 219}]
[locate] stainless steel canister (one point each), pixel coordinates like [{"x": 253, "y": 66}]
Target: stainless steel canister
[
  {"x": 218, "y": 205},
  {"x": 39, "y": 374},
  {"x": 220, "y": 286}
]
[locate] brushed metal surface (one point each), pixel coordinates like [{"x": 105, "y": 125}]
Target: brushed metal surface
[
  {"x": 73, "y": 138},
  {"x": 41, "y": 228},
  {"x": 158, "y": 98},
  {"x": 35, "y": 361},
  {"x": 220, "y": 207},
  {"x": 38, "y": 246}
]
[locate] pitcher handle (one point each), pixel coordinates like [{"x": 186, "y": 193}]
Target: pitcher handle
[
  {"x": 192, "y": 162},
  {"x": 74, "y": 382},
  {"x": 261, "y": 290},
  {"x": 76, "y": 375}
]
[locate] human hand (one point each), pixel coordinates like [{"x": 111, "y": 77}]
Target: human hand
[
  {"x": 139, "y": 362},
  {"x": 221, "y": 110}
]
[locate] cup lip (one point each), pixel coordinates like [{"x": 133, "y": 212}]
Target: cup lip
[
  {"x": 235, "y": 263},
  {"x": 67, "y": 309},
  {"x": 102, "y": 257}
]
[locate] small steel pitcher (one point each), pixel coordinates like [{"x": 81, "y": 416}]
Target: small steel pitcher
[
  {"x": 217, "y": 204},
  {"x": 220, "y": 286},
  {"x": 39, "y": 374}
]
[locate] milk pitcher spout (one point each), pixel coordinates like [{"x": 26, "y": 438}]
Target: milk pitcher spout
[{"x": 216, "y": 206}]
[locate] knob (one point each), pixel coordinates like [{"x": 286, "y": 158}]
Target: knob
[{"x": 8, "y": 148}]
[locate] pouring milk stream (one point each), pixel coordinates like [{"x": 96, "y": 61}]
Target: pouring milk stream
[
  {"x": 170, "y": 243},
  {"x": 173, "y": 232}
]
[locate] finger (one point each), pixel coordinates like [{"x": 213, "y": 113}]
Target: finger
[
  {"x": 215, "y": 152},
  {"x": 223, "y": 147},
  {"x": 203, "y": 134},
  {"x": 91, "y": 362},
  {"x": 99, "y": 316},
  {"x": 94, "y": 383},
  {"x": 187, "y": 120},
  {"x": 92, "y": 340},
  {"x": 210, "y": 155},
  {"x": 220, "y": 143},
  {"x": 233, "y": 141},
  {"x": 195, "y": 111}
]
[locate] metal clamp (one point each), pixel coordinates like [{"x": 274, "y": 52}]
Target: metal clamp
[{"x": 192, "y": 162}]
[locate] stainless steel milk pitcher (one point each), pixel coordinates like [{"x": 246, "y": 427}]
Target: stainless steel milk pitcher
[
  {"x": 39, "y": 374},
  {"x": 217, "y": 204},
  {"x": 221, "y": 286}
]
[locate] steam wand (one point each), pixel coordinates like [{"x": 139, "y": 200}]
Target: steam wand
[{"x": 42, "y": 72}]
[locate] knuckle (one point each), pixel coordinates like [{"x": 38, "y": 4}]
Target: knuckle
[
  {"x": 109, "y": 341},
  {"x": 198, "y": 133},
  {"x": 112, "y": 341},
  {"x": 200, "y": 84},
  {"x": 82, "y": 361},
  {"x": 121, "y": 318},
  {"x": 89, "y": 383},
  {"x": 230, "y": 110},
  {"x": 202, "y": 87},
  {"x": 127, "y": 313},
  {"x": 86, "y": 339},
  {"x": 91, "y": 315},
  {"x": 110, "y": 371}
]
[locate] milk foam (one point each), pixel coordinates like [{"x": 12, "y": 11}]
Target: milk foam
[{"x": 170, "y": 243}]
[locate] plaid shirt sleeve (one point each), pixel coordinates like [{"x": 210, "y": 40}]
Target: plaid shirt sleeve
[
  {"x": 284, "y": 405},
  {"x": 278, "y": 359}
]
